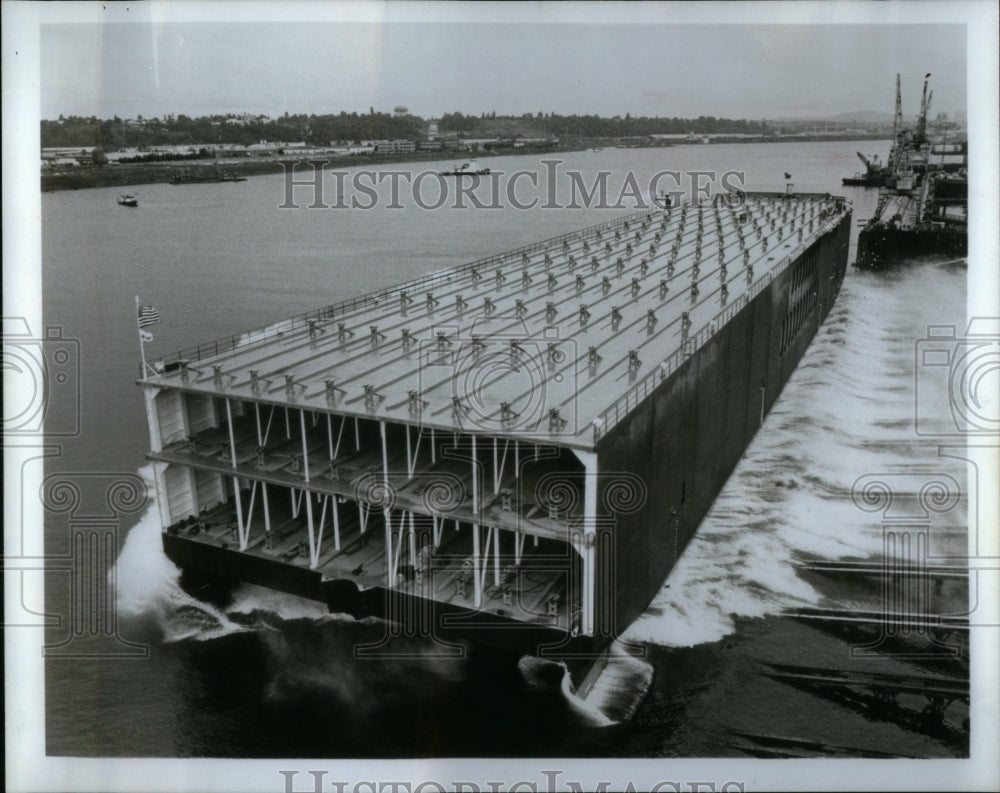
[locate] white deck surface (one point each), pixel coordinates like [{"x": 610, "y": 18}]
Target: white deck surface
[{"x": 549, "y": 365}]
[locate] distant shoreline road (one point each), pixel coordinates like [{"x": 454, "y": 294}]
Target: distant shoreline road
[{"x": 128, "y": 174}]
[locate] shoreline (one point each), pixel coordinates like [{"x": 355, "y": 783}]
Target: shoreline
[{"x": 130, "y": 174}]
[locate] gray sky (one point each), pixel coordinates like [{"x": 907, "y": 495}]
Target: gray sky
[{"x": 759, "y": 71}]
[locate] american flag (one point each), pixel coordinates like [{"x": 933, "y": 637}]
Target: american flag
[{"x": 148, "y": 316}]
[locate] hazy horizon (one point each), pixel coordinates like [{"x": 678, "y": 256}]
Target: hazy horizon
[{"x": 685, "y": 71}]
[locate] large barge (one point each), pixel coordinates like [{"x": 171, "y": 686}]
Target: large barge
[{"x": 512, "y": 452}]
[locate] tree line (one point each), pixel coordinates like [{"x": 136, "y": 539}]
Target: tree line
[
  {"x": 116, "y": 133},
  {"x": 594, "y": 126}
]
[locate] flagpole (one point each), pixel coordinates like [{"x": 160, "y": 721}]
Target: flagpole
[{"x": 142, "y": 344}]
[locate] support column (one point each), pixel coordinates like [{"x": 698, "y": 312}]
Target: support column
[
  {"x": 588, "y": 583},
  {"x": 475, "y": 478},
  {"x": 385, "y": 454},
  {"x": 499, "y": 465},
  {"x": 496, "y": 556},
  {"x": 390, "y": 578},
  {"x": 239, "y": 510},
  {"x": 232, "y": 435},
  {"x": 261, "y": 439},
  {"x": 413, "y": 542},
  {"x": 267, "y": 508},
  {"x": 313, "y": 545},
  {"x": 322, "y": 523},
  {"x": 152, "y": 418},
  {"x": 336, "y": 523},
  {"x": 340, "y": 435},
  {"x": 305, "y": 447},
  {"x": 409, "y": 461},
  {"x": 245, "y": 534},
  {"x": 476, "y": 578},
  {"x": 162, "y": 503}
]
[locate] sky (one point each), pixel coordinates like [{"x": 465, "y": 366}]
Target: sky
[{"x": 686, "y": 70}]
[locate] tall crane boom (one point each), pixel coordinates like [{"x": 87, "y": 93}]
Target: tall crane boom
[
  {"x": 922, "y": 121},
  {"x": 897, "y": 122}
]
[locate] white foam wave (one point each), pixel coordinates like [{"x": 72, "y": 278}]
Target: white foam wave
[
  {"x": 539, "y": 673},
  {"x": 148, "y": 586},
  {"x": 846, "y": 411}
]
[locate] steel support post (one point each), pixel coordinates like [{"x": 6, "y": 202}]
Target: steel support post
[
  {"x": 313, "y": 545},
  {"x": 232, "y": 435},
  {"x": 477, "y": 581},
  {"x": 413, "y": 542},
  {"x": 267, "y": 508},
  {"x": 390, "y": 578},
  {"x": 587, "y": 552},
  {"x": 340, "y": 434},
  {"x": 239, "y": 509},
  {"x": 245, "y": 534},
  {"x": 475, "y": 478},
  {"x": 385, "y": 454},
  {"x": 336, "y": 523},
  {"x": 496, "y": 556},
  {"x": 305, "y": 447},
  {"x": 409, "y": 463}
]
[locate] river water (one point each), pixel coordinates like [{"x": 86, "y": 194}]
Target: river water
[{"x": 268, "y": 675}]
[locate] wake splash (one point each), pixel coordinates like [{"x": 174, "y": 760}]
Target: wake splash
[
  {"x": 148, "y": 590},
  {"x": 540, "y": 674},
  {"x": 846, "y": 411}
]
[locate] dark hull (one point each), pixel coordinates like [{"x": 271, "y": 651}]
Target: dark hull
[
  {"x": 863, "y": 181},
  {"x": 408, "y": 616},
  {"x": 685, "y": 439},
  {"x": 880, "y": 248}
]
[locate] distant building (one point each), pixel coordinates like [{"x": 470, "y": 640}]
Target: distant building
[
  {"x": 395, "y": 146},
  {"x": 400, "y": 110},
  {"x": 475, "y": 144},
  {"x": 246, "y": 119}
]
